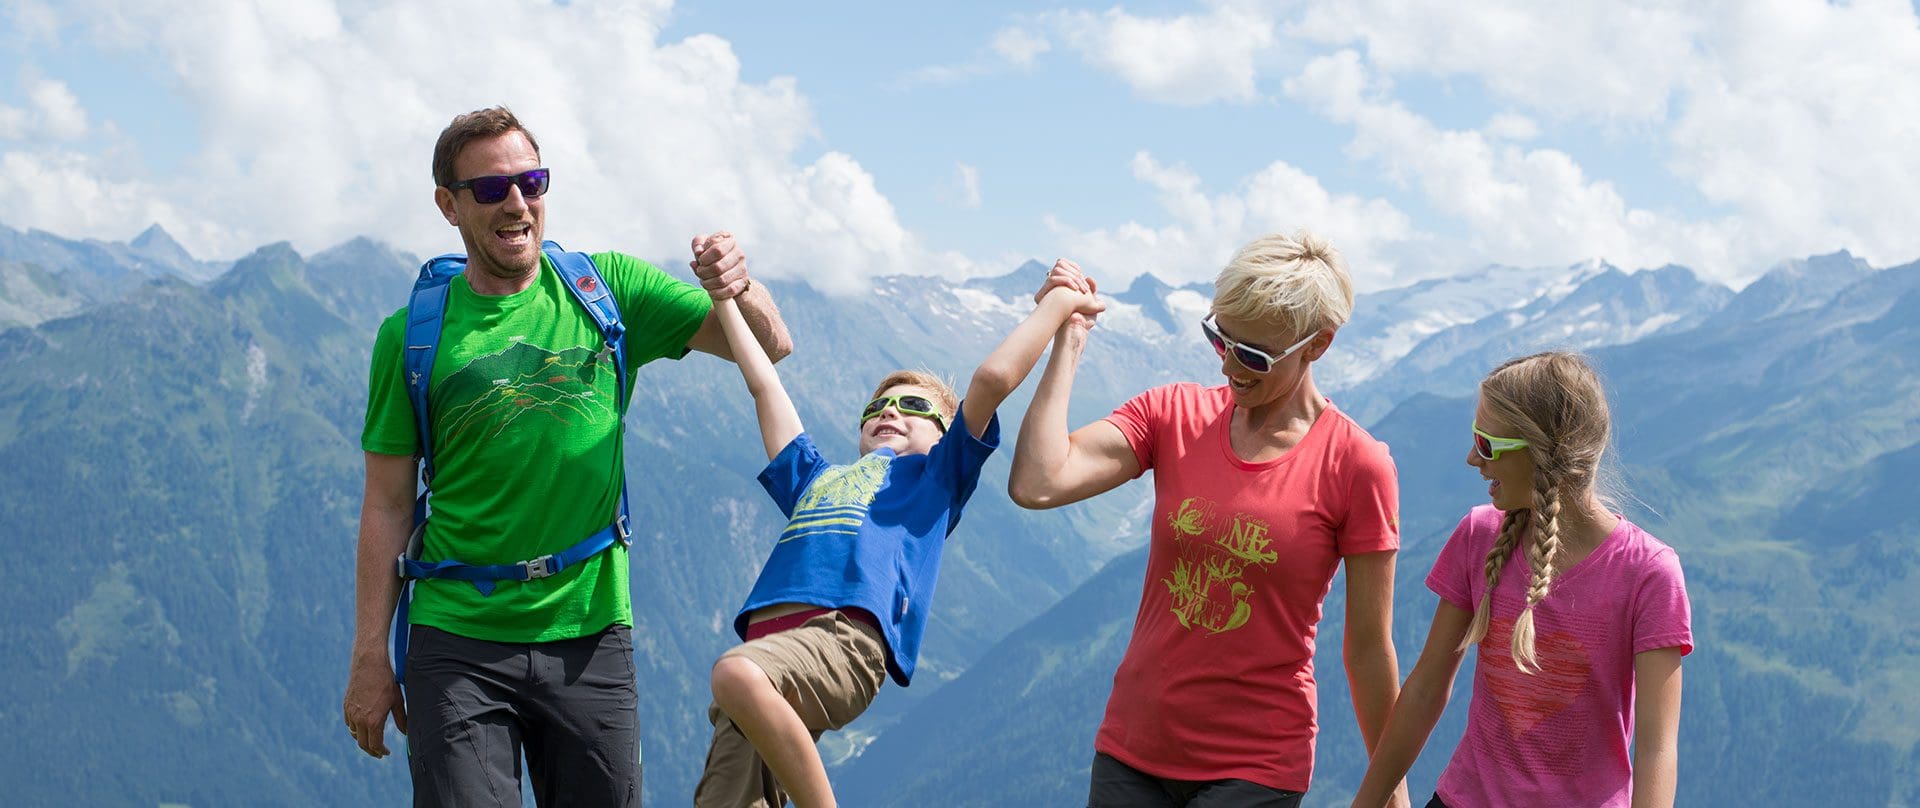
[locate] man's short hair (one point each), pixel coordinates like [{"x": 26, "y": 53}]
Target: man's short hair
[
  {"x": 479, "y": 124},
  {"x": 943, "y": 395},
  {"x": 1300, "y": 282}
]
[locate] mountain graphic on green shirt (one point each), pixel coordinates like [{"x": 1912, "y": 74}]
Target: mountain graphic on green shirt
[{"x": 525, "y": 380}]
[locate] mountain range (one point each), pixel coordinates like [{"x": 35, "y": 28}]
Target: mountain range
[{"x": 179, "y": 440}]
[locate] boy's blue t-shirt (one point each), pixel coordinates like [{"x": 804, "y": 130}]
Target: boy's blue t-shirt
[{"x": 869, "y": 534}]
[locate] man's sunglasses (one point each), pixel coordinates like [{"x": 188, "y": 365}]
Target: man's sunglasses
[
  {"x": 1489, "y": 447},
  {"x": 907, "y": 404},
  {"x": 492, "y": 190},
  {"x": 1249, "y": 357}
]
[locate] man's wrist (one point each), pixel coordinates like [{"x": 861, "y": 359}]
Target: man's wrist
[{"x": 370, "y": 652}]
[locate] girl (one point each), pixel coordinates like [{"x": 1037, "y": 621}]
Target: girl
[{"x": 1580, "y": 617}]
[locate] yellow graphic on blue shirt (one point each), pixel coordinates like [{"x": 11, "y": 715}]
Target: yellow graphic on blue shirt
[
  {"x": 837, "y": 500},
  {"x": 1213, "y": 556}
]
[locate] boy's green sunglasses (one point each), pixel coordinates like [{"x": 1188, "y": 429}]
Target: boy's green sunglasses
[
  {"x": 907, "y": 404},
  {"x": 1489, "y": 447}
]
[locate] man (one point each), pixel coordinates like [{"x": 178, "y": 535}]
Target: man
[{"x": 525, "y": 423}]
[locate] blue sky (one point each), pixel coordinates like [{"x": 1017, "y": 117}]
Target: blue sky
[{"x": 852, "y": 139}]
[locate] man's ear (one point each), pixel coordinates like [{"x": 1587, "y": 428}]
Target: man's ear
[{"x": 444, "y": 199}]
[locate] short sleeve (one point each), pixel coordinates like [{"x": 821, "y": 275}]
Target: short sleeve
[
  {"x": 1140, "y": 419},
  {"x": 786, "y": 476},
  {"x": 1372, "y": 522},
  {"x": 1662, "y": 616},
  {"x": 955, "y": 461},
  {"x": 1452, "y": 575},
  {"x": 389, "y": 427},
  {"x": 661, "y": 312}
]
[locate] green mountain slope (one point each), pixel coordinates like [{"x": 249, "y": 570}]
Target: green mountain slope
[{"x": 176, "y": 465}]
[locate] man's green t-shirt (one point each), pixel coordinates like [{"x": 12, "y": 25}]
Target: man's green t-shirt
[{"x": 526, "y": 450}]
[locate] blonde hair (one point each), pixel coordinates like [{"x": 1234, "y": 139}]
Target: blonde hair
[
  {"x": 1299, "y": 282},
  {"x": 1554, "y": 402},
  {"x": 943, "y": 395}
]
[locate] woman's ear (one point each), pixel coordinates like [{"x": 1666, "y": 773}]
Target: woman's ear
[{"x": 1318, "y": 347}]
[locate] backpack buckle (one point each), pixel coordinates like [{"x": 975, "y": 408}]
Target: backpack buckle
[
  {"x": 539, "y": 567},
  {"x": 621, "y": 531}
]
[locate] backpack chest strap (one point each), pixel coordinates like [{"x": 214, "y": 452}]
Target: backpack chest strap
[{"x": 486, "y": 577}]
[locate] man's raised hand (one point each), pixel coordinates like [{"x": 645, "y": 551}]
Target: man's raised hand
[{"x": 720, "y": 265}]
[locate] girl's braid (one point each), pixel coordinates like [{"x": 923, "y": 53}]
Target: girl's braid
[
  {"x": 1512, "y": 526},
  {"x": 1540, "y": 554}
]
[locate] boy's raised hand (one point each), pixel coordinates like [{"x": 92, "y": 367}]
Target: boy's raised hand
[
  {"x": 1065, "y": 298},
  {"x": 1067, "y": 274}
]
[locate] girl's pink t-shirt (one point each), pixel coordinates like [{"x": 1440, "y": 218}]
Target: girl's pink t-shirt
[
  {"x": 1217, "y": 682},
  {"x": 1558, "y": 736}
]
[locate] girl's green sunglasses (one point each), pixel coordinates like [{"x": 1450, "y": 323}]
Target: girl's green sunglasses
[
  {"x": 1489, "y": 447},
  {"x": 907, "y": 404}
]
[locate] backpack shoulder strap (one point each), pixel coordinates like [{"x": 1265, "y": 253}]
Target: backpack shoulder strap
[
  {"x": 590, "y": 289},
  {"x": 426, "y": 312}
]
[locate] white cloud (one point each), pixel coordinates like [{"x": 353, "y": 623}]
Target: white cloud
[
  {"x": 52, "y": 113},
  {"x": 937, "y": 75},
  {"x": 1806, "y": 124},
  {"x": 317, "y": 123},
  {"x": 1791, "y": 121},
  {"x": 1188, "y": 59},
  {"x": 1527, "y": 206},
  {"x": 1619, "y": 60},
  {"x": 1019, "y": 46},
  {"x": 27, "y": 21},
  {"x": 1795, "y": 119},
  {"x": 1014, "y": 47},
  {"x": 72, "y": 194},
  {"x": 966, "y": 181},
  {"x": 1511, "y": 126},
  {"x": 1205, "y": 230}
]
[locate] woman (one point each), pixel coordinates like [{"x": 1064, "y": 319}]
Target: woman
[{"x": 1262, "y": 488}]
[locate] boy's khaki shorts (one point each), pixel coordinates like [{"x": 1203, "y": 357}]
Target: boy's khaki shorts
[{"x": 829, "y": 668}]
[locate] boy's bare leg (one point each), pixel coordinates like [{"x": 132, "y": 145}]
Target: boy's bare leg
[{"x": 749, "y": 698}]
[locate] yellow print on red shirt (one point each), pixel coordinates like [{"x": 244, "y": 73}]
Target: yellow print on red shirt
[{"x": 1205, "y": 585}]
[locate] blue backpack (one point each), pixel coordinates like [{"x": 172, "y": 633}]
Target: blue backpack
[{"x": 426, "y": 311}]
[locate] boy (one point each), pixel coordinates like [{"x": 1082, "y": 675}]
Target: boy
[{"x": 843, "y": 599}]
